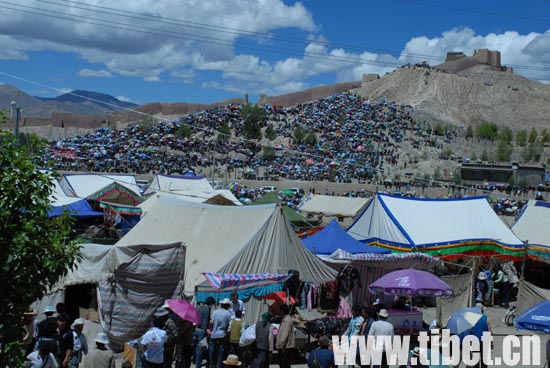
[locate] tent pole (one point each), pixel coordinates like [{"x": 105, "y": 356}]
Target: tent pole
[{"x": 522, "y": 277}]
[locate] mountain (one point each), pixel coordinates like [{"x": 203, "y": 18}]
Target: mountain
[
  {"x": 475, "y": 95},
  {"x": 82, "y": 97}
]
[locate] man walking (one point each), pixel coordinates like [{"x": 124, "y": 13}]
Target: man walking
[{"x": 220, "y": 322}]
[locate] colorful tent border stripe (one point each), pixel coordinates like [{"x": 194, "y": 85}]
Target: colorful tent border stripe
[
  {"x": 227, "y": 280},
  {"x": 136, "y": 199}
]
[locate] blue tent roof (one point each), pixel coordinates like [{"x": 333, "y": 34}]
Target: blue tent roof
[
  {"x": 78, "y": 209},
  {"x": 333, "y": 237}
]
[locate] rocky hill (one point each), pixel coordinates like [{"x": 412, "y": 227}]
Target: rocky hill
[{"x": 478, "y": 94}]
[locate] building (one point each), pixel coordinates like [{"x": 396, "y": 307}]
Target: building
[{"x": 493, "y": 173}]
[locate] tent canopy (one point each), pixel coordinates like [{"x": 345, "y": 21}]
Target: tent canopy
[
  {"x": 228, "y": 239},
  {"x": 84, "y": 185},
  {"x": 76, "y": 207},
  {"x": 291, "y": 215},
  {"x": 532, "y": 227},
  {"x": 333, "y": 237},
  {"x": 441, "y": 227},
  {"x": 185, "y": 183},
  {"x": 333, "y": 205}
]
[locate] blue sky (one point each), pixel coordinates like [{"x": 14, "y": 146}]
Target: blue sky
[{"x": 203, "y": 51}]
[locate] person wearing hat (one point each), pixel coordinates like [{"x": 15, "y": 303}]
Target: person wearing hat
[
  {"x": 30, "y": 329},
  {"x": 232, "y": 361},
  {"x": 264, "y": 342},
  {"x": 101, "y": 356},
  {"x": 80, "y": 343},
  {"x": 322, "y": 357},
  {"x": 47, "y": 328},
  {"x": 220, "y": 322},
  {"x": 482, "y": 286},
  {"x": 152, "y": 343},
  {"x": 379, "y": 329}
]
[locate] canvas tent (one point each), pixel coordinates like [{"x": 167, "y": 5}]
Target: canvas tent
[
  {"x": 114, "y": 188},
  {"x": 291, "y": 215},
  {"x": 332, "y": 205},
  {"x": 333, "y": 237},
  {"x": 440, "y": 227},
  {"x": 183, "y": 183},
  {"x": 532, "y": 227},
  {"x": 132, "y": 281},
  {"x": 228, "y": 239}
]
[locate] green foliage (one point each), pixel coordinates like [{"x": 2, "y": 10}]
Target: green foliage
[
  {"x": 35, "y": 249},
  {"x": 474, "y": 156},
  {"x": 225, "y": 133},
  {"x": 506, "y": 135},
  {"x": 183, "y": 132},
  {"x": 447, "y": 153},
  {"x": 311, "y": 139},
  {"x": 469, "y": 132},
  {"x": 521, "y": 138},
  {"x": 545, "y": 136},
  {"x": 484, "y": 155},
  {"x": 532, "y": 152},
  {"x": 253, "y": 117},
  {"x": 533, "y": 135},
  {"x": 487, "y": 131},
  {"x": 299, "y": 135},
  {"x": 504, "y": 151},
  {"x": 270, "y": 133},
  {"x": 269, "y": 153}
]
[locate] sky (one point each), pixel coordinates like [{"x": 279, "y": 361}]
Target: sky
[{"x": 204, "y": 51}]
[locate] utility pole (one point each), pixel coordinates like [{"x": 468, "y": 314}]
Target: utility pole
[{"x": 15, "y": 108}]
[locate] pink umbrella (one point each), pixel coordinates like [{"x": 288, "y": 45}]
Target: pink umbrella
[{"x": 184, "y": 309}]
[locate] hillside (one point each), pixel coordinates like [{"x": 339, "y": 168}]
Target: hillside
[
  {"x": 83, "y": 97},
  {"x": 478, "y": 94}
]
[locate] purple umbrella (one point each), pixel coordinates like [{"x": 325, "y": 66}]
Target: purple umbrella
[{"x": 411, "y": 282}]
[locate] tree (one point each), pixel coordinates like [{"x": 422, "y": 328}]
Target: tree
[
  {"x": 183, "y": 132},
  {"x": 225, "y": 133},
  {"x": 253, "y": 117},
  {"x": 35, "y": 249},
  {"x": 269, "y": 153},
  {"x": 487, "y": 131},
  {"x": 545, "y": 136},
  {"x": 311, "y": 139},
  {"x": 533, "y": 136},
  {"x": 469, "y": 132},
  {"x": 504, "y": 152},
  {"x": 521, "y": 138},
  {"x": 299, "y": 135},
  {"x": 506, "y": 135},
  {"x": 484, "y": 155},
  {"x": 270, "y": 133}
]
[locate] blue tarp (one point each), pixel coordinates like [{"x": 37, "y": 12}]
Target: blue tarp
[
  {"x": 78, "y": 209},
  {"x": 333, "y": 237}
]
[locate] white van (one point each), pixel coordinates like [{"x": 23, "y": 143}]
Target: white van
[
  {"x": 269, "y": 188},
  {"x": 216, "y": 184}
]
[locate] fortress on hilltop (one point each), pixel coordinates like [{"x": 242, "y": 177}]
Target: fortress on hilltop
[{"x": 456, "y": 62}]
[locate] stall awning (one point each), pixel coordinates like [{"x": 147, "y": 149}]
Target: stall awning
[{"x": 221, "y": 281}]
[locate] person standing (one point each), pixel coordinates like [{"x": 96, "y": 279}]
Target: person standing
[
  {"x": 80, "y": 344},
  {"x": 65, "y": 340},
  {"x": 322, "y": 355},
  {"x": 184, "y": 344},
  {"x": 264, "y": 342},
  {"x": 236, "y": 328},
  {"x": 101, "y": 356},
  {"x": 153, "y": 345},
  {"x": 220, "y": 322},
  {"x": 202, "y": 330},
  {"x": 236, "y": 304},
  {"x": 355, "y": 324},
  {"x": 47, "y": 330},
  {"x": 170, "y": 326},
  {"x": 30, "y": 331},
  {"x": 379, "y": 329},
  {"x": 285, "y": 338},
  {"x": 41, "y": 358}
]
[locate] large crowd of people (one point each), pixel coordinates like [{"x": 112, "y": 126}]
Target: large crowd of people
[{"x": 356, "y": 137}]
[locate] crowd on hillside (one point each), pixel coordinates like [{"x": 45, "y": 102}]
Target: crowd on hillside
[{"x": 356, "y": 137}]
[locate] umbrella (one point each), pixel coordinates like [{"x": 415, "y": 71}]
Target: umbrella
[
  {"x": 411, "y": 282},
  {"x": 234, "y": 187},
  {"x": 536, "y": 318},
  {"x": 464, "y": 319},
  {"x": 280, "y": 296},
  {"x": 184, "y": 309}
]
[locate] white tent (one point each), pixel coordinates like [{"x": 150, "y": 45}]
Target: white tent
[
  {"x": 216, "y": 197},
  {"x": 533, "y": 227},
  {"x": 437, "y": 226},
  {"x": 85, "y": 185},
  {"x": 228, "y": 239},
  {"x": 183, "y": 183},
  {"x": 332, "y": 205}
]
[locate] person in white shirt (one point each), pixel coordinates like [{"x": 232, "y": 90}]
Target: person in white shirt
[
  {"x": 220, "y": 322},
  {"x": 80, "y": 343},
  {"x": 236, "y": 304},
  {"x": 153, "y": 345},
  {"x": 382, "y": 328},
  {"x": 41, "y": 358}
]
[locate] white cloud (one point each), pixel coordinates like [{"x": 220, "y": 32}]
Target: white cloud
[
  {"x": 94, "y": 73},
  {"x": 64, "y": 90},
  {"x": 123, "y": 99}
]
